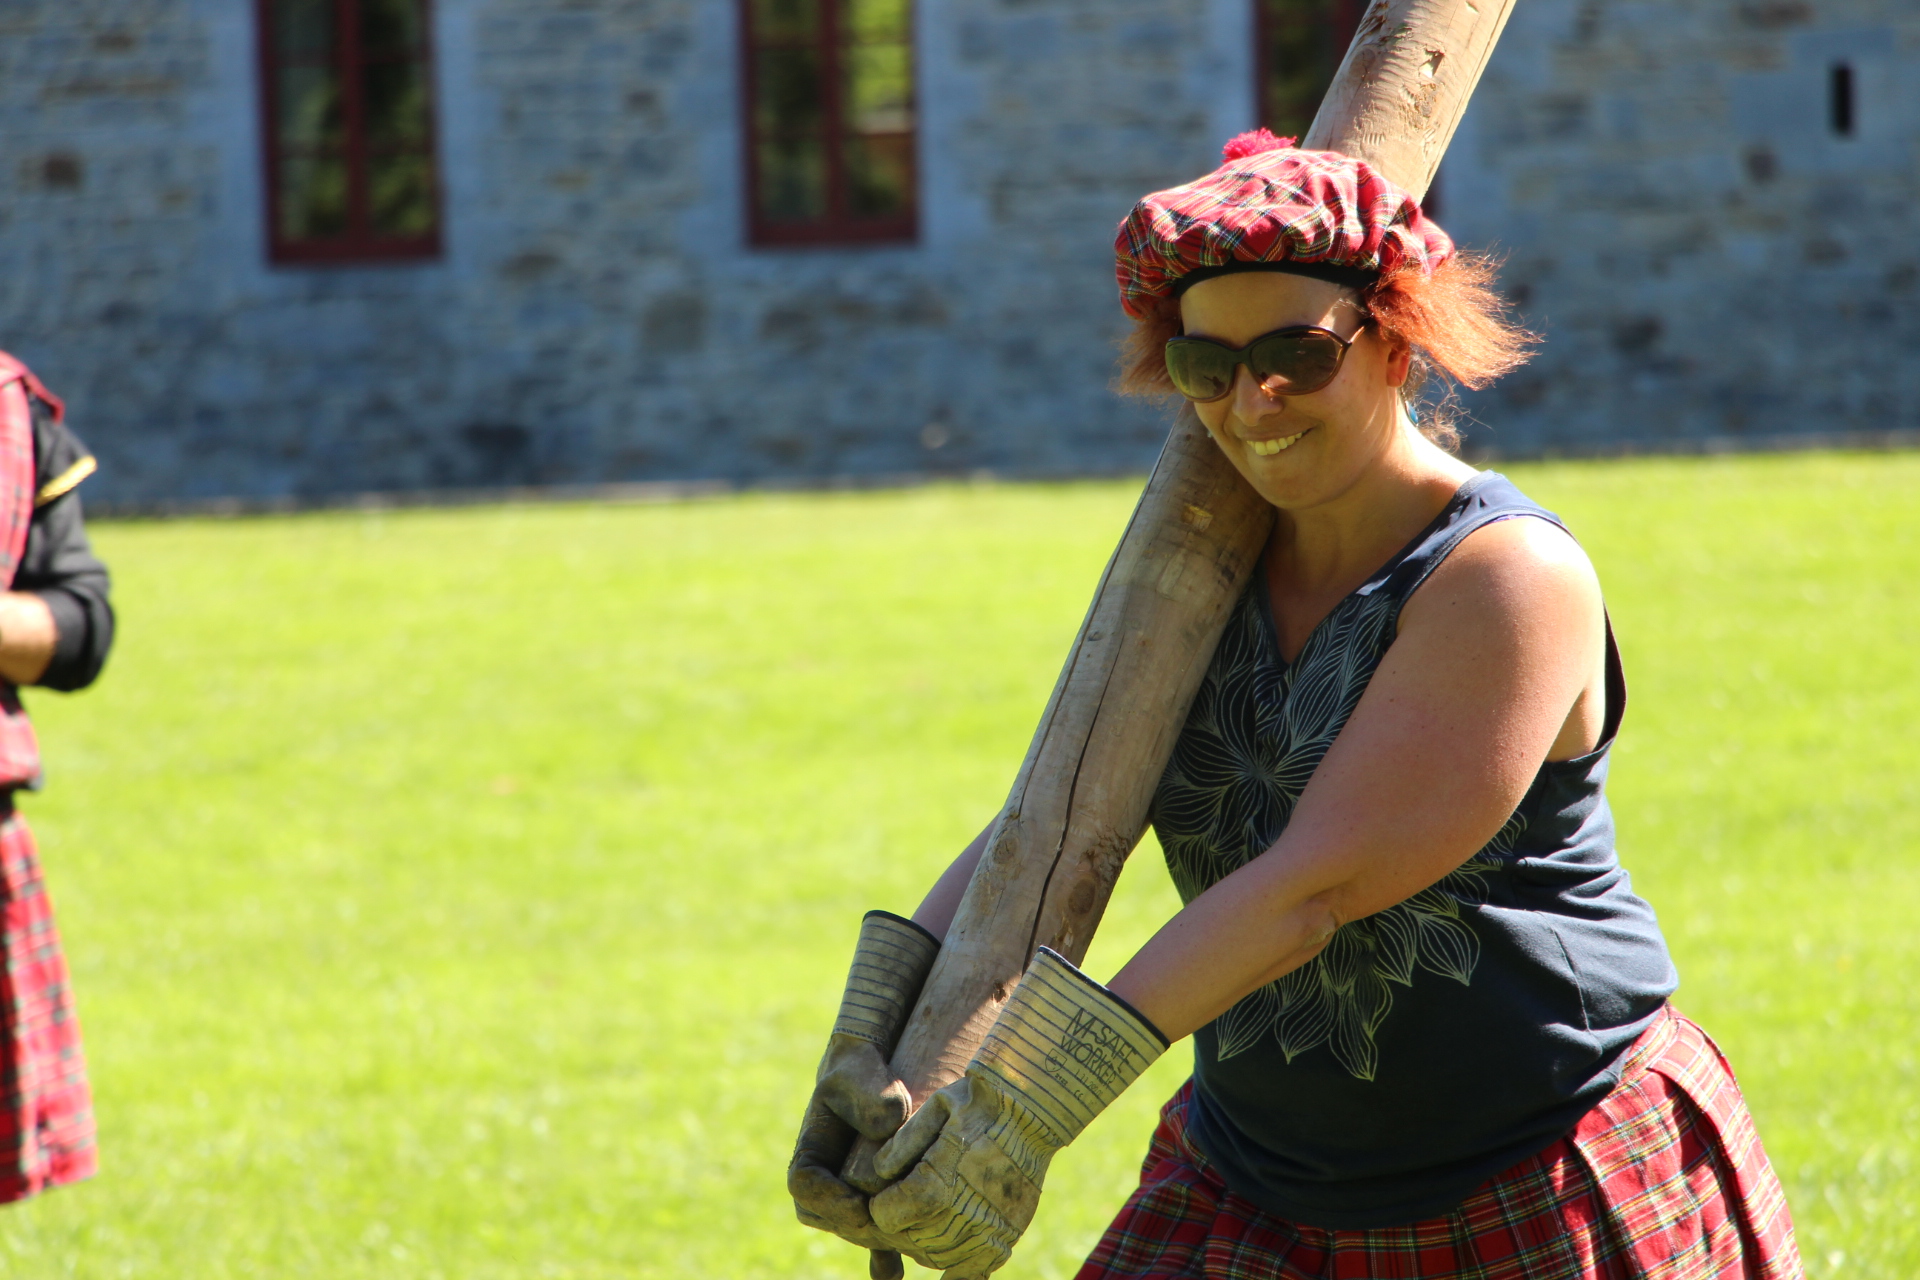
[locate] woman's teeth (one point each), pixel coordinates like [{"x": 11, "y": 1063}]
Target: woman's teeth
[{"x": 1267, "y": 448}]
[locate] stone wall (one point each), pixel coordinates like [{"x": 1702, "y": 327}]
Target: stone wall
[
  {"x": 1706, "y": 257},
  {"x": 596, "y": 315}
]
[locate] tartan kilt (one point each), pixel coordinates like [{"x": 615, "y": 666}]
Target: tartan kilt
[
  {"x": 1664, "y": 1179},
  {"x": 46, "y": 1126}
]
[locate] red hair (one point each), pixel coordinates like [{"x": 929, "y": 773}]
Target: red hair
[{"x": 1455, "y": 321}]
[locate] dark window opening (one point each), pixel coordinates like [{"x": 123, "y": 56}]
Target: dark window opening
[
  {"x": 830, "y": 120},
  {"x": 347, "y": 91},
  {"x": 1299, "y": 46},
  {"x": 1840, "y": 99}
]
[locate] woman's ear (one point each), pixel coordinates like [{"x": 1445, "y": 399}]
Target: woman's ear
[{"x": 1399, "y": 361}]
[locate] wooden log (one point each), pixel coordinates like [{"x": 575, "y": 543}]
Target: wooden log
[
  {"x": 1079, "y": 803},
  {"x": 1402, "y": 88}
]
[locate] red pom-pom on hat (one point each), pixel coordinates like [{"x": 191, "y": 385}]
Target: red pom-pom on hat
[{"x": 1252, "y": 143}]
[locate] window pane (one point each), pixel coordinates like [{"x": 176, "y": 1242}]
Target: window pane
[
  {"x": 876, "y": 21},
  {"x": 786, "y": 19},
  {"x": 1305, "y": 40},
  {"x": 396, "y": 102},
  {"x": 787, "y": 91},
  {"x": 879, "y": 176},
  {"x": 400, "y": 195},
  {"x": 303, "y": 30},
  {"x": 309, "y": 103},
  {"x": 877, "y": 97},
  {"x": 793, "y": 179},
  {"x": 313, "y": 197},
  {"x": 832, "y": 128},
  {"x": 392, "y": 27}
]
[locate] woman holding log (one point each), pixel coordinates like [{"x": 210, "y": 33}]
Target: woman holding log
[{"x": 1431, "y": 1022}]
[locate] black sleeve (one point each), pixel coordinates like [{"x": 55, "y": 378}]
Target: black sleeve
[{"x": 59, "y": 565}]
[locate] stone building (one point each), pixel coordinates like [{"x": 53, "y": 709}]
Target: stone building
[
  {"x": 299, "y": 247},
  {"x": 1708, "y": 207}
]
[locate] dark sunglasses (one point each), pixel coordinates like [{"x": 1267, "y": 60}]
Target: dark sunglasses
[{"x": 1302, "y": 357}]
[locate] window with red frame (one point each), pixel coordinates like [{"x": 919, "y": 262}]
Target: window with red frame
[
  {"x": 1300, "y": 45},
  {"x": 347, "y": 89},
  {"x": 830, "y": 128}
]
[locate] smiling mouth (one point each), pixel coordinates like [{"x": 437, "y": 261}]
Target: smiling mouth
[{"x": 1267, "y": 448}]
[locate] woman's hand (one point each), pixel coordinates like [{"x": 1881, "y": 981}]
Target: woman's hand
[
  {"x": 855, "y": 1091},
  {"x": 971, "y": 1162},
  {"x": 27, "y": 637},
  {"x": 1498, "y": 667}
]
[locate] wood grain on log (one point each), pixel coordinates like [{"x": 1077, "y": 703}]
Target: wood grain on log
[
  {"x": 1079, "y": 803},
  {"x": 1404, "y": 84}
]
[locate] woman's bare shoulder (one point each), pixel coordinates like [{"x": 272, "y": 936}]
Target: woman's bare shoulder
[{"x": 1522, "y": 569}]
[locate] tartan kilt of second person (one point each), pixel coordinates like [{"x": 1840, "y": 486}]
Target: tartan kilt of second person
[
  {"x": 46, "y": 1107},
  {"x": 1665, "y": 1179}
]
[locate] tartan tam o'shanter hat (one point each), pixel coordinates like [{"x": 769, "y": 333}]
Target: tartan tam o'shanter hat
[{"x": 1273, "y": 207}]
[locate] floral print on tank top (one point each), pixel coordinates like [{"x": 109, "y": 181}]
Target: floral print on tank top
[{"x": 1258, "y": 729}]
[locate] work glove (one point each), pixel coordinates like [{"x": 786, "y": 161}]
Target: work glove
[
  {"x": 975, "y": 1155},
  {"x": 855, "y": 1092}
]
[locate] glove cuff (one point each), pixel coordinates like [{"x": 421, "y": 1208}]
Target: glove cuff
[
  {"x": 1066, "y": 1046},
  {"x": 890, "y": 965}
]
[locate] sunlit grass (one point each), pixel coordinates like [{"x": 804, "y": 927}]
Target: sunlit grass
[{"x": 466, "y": 893}]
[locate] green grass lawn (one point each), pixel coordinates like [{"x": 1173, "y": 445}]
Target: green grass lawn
[{"x": 466, "y": 894}]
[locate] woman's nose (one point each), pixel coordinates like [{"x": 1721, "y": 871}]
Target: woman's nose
[{"x": 1251, "y": 400}]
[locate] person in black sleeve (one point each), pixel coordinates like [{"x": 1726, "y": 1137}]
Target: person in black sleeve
[
  {"x": 56, "y": 626},
  {"x": 59, "y": 568}
]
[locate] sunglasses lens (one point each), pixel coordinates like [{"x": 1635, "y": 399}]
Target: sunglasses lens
[
  {"x": 1200, "y": 370},
  {"x": 1300, "y": 362}
]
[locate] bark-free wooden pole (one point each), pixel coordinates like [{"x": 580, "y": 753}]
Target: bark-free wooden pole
[
  {"x": 1079, "y": 803},
  {"x": 1405, "y": 82}
]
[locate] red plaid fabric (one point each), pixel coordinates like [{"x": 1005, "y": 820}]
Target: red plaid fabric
[
  {"x": 1664, "y": 1180},
  {"x": 19, "y": 749},
  {"x": 1272, "y": 205},
  {"x": 46, "y": 1109}
]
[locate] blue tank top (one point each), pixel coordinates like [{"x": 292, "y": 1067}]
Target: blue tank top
[{"x": 1436, "y": 1043}]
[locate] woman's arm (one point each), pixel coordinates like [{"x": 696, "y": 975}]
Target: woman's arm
[
  {"x": 935, "y": 913},
  {"x": 1494, "y": 651}
]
